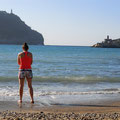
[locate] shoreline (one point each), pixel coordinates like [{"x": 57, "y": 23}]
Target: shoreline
[
  {"x": 26, "y": 111},
  {"x": 113, "y": 104}
]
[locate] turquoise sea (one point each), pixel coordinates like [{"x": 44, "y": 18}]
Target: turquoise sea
[{"x": 62, "y": 74}]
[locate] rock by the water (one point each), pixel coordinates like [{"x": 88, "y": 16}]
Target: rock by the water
[
  {"x": 14, "y": 31},
  {"x": 108, "y": 43}
]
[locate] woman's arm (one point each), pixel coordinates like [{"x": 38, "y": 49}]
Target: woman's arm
[
  {"x": 18, "y": 59},
  {"x": 32, "y": 58}
]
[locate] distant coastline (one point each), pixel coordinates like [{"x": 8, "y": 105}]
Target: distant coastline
[{"x": 108, "y": 43}]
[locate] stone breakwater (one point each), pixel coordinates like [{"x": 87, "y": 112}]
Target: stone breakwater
[{"x": 9, "y": 115}]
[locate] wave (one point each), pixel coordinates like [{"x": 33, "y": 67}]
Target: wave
[
  {"x": 80, "y": 79},
  {"x": 54, "y": 93},
  {"x": 68, "y": 79},
  {"x": 78, "y": 93}
]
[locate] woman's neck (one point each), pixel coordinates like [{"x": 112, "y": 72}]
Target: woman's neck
[{"x": 24, "y": 51}]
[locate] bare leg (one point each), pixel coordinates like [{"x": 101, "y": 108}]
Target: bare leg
[
  {"x": 29, "y": 81},
  {"x": 21, "y": 85}
]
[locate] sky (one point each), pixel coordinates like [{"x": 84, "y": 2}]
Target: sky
[{"x": 69, "y": 22}]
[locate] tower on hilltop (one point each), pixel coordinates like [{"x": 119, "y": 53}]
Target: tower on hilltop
[
  {"x": 11, "y": 11},
  {"x": 108, "y": 37}
]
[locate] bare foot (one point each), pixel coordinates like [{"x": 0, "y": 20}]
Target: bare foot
[
  {"x": 32, "y": 101},
  {"x": 19, "y": 101}
]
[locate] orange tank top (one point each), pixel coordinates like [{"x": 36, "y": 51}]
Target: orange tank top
[{"x": 25, "y": 62}]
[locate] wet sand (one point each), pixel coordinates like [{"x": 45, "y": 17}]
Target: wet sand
[{"x": 107, "y": 110}]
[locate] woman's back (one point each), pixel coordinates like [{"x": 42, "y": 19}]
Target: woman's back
[{"x": 25, "y": 60}]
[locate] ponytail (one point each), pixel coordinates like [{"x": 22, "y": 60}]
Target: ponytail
[{"x": 25, "y": 46}]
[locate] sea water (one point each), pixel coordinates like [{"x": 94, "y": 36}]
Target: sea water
[{"x": 62, "y": 74}]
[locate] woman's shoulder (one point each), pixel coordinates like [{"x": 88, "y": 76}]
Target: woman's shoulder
[
  {"x": 29, "y": 54},
  {"x": 20, "y": 53}
]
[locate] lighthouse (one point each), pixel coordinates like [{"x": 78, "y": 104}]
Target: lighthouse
[{"x": 11, "y": 11}]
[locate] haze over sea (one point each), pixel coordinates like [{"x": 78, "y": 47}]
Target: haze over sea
[{"x": 62, "y": 74}]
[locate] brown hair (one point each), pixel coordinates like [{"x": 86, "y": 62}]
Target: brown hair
[{"x": 25, "y": 46}]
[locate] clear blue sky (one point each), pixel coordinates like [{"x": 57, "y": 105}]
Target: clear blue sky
[{"x": 69, "y": 22}]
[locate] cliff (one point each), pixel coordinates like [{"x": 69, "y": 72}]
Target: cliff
[
  {"x": 14, "y": 31},
  {"x": 108, "y": 43}
]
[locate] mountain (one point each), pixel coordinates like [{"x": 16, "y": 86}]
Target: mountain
[{"x": 14, "y": 31}]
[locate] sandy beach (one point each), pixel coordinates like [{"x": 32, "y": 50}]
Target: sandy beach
[{"x": 108, "y": 110}]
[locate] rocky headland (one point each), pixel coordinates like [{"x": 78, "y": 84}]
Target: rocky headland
[
  {"x": 108, "y": 43},
  {"x": 14, "y": 31}
]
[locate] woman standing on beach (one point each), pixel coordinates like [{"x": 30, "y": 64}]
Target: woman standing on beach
[{"x": 25, "y": 60}]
